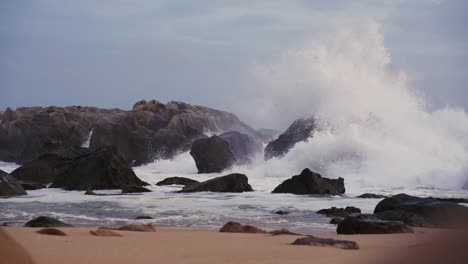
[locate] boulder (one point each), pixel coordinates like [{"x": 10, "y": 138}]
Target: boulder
[
  {"x": 234, "y": 227},
  {"x": 101, "y": 169},
  {"x": 177, "y": 181},
  {"x": 371, "y": 224},
  {"x": 51, "y": 231},
  {"x": 212, "y": 155},
  {"x": 283, "y": 231},
  {"x": 422, "y": 212},
  {"x": 134, "y": 189},
  {"x": 242, "y": 146},
  {"x": 326, "y": 242},
  {"x": 9, "y": 186},
  {"x": 45, "y": 221},
  {"x": 299, "y": 131},
  {"x": 336, "y": 220},
  {"x": 309, "y": 182},
  {"x": 453, "y": 200},
  {"x": 235, "y": 183},
  {"x": 340, "y": 212},
  {"x": 372, "y": 196}
]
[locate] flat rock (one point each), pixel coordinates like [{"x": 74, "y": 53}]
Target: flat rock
[
  {"x": 138, "y": 228},
  {"x": 370, "y": 224},
  {"x": 309, "y": 182},
  {"x": 104, "y": 233},
  {"x": 45, "y": 221},
  {"x": 134, "y": 189},
  {"x": 177, "y": 181},
  {"x": 372, "y": 196},
  {"x": 235, "y": 182},
  {"x": 234, "y": 227},
  {"x": 143, "y": 217},
  {"x": 51, "y": 231},
  {"x": 283, "y": 232},
  {"x": 326, "y": 242},
  {"x": 340, "y": 212}
]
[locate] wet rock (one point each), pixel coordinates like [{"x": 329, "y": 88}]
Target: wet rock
[
  {"x": 336, "y": 220},
  {"x": 134, "y": 189},
  {"x": 340, "y": 212},
  {"x": 90, "y": 192},
  {"x": 309, "y": 182},
  {"x": 422, "y": 212},
  {"x": 51, "y": 231},
  {"x": 370, "y": 224},
  {"x": 104, "y": 233},
  {"x": 283, "y": 232},
  {"x": 230, "y": 183},
  {"x": 138, "y": 228},
  {"x": 453, "y": 200},
  {"x": 372, "y": 196},
  {"x": 326, "y": 242},
  {"x": 242, "y": 146},
  {"x": 45, "y": 221},
  {"x": 281, "y": 212},
  {"x": 212, "y": 154},
  {"x": 32, "y": 186},
  {"x": 9, "y": 186},
  {"x": 299, "y": 131},
  {"x": 142, "y": 217},
  {"x": 234, "y": 227},
  {"x": 177, "y": 181}
]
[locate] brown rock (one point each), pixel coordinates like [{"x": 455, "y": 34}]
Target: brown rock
[
  {"x": 326, "y": 242},
  {"x": 105, "y": 233},
  {"x": 52, "y": 232},
  {"x": 283, "y": 232},
  {"x": 138, "y": 228},
  {"x": 234, "y": 227}
]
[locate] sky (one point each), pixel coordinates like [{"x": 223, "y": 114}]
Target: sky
[{"x": 113, "y": 53}]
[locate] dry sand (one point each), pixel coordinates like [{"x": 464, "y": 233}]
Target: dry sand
[{"x": 197, "y": 246}]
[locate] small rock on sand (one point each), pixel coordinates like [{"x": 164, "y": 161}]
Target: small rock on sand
[
  {"x": 52, "y": 232},
  {"x": 326, "y": 242}
]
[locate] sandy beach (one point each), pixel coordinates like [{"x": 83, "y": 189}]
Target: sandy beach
[{"x": 24, "y": 245}]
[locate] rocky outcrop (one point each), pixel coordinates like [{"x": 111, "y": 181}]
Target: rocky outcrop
[
  {"x": 134, "y": 189},
  {"x": 44, "y": 169},
  {"x": 340, "y": 212},
  {"x": 177, "y": 181},
  {"x": 422, "y": 212},
  {"x": 101, "y": 169},
  {"x": 9, "y": 186},
  {"x": 212, "y": 155},
  {"x": 326, "y": 242},
  {"x": 370, "y": 224},
  {"x": 234, "y": 227},
  {"x": 45, "y": 221},
  {"x": 309, "y": 182},
  {"x": 299, "y": 131},
  {"x": 235, "y": 182}
]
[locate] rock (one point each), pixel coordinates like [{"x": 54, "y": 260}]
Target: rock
[
  {"x": 105, "y": 233},
  {"x": 5, "y": 224},
  {"x": 100, "y": 169},
  {"x": 138, "y": 228},
  {"x": 90, "y": 192},
  {"x": 212, "y": 154},
  {"x": 177, "y": 181},
  {"x": 453, "y": 200},
  {"x": 45, "y": 221},
  {"x": 370, "y": 224},
  {"x": 45, "y": 168},
  {"x": 142, "y": 217},
  {"x": 235, "y": 182},
  {"x": 340, "y": 212},
  {"x": 422, "y": 212},
  {"x": 299, "y": 131},
  {"x": 371, "y": 196},
  {"x": 9, "y": 186},
  {"x": 134, "y": 189},
  {"x": 280, "y": 212},
  {"x": 326, "y": 242},
  {"x": 51, "y": 231},
  {"x": 242, "y": 146},
  {"x": 283, "y": 232},
  {"x": 309, "y": 182},
  {"x": 32, "y": 186},
  {"x": 234, "y": 227},
  {"x": 336, "y": 220}
]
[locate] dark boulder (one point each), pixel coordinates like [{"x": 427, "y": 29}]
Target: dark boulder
[
  {"x": 9, "y": 186},
  {"x": 51, "y": 232},
  {"x": 340, "y": 212},
  {"x": 372, "y": 196},
  {"x": 101, "y": 169},
  {"x": 299, "y": 131},
  {"x": 242, "y": 146},
  {"x": 45, "y": 221},
  {"x": 370, "y": 224},
  {"x": 234, "y": 227},
  {"x": 134, "y": 189},
  {"x": 212, "y": 154},
  {"x": 326, "y": 242},
  {"x": 177, "y": 181},
  {"x": 422, "y": 212},
  {"x": 32, "y": 186},
  {"x": 230, "y": 183},
  {"x": 336, "y": 220},
  {"x": 309, "y": 182},
  {"x": 281, "y": 212},
  {"x": 453, "y": 200}
]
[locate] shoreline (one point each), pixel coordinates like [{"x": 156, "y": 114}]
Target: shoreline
[{"x": 202, "y": 246}]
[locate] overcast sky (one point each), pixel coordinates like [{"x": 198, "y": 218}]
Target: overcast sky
[{"x": 113, "y": 53}]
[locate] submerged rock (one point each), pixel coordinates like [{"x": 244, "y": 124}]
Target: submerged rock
[
  {"x": 177, "y": 181},
  {"x": 281, "y": 212},
  {"x": 230, "y": 183},
  {"x": 234, "y": 227},
  {"x": 143, "y": 217},
  {"x": 326, "y": 242},
  {"x": 134, "y": 189},
  {"x": 309, "y": 182},
  {"x": 45, "y": 221},
  {"x": 341, "y": 212},
  {"x": 9, "y": 186},
  {"x": 370, "y": 224},
  {"x": 422, "y": 212},
  {"x": 372, "y": 196}
]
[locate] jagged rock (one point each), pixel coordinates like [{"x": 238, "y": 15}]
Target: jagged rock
[
  {"x": 326, "y": 242},
  {"x": 234, "y": 227},
  {"x": 230, "y": 183},
  {"x": 45, "y": 221},
  {"x": 177, "y": 181},
  {"x": 372, "y": 196},
  {"x": 51, "y": 231},
  {"x": 299, "y": 131},
  {"x": 422, "y": 212},
  {"x": 100, "y": 169},
  {"x": 340, "y": 212},
  {"x": 309, "y": 182},
  {"x": 212, "y": 155},
  {"x": 134, "y": 189},
  {"x": 370, "y": 224},
  {"x": 9, "y": 186}
]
